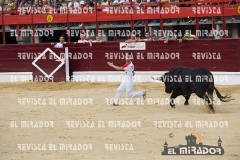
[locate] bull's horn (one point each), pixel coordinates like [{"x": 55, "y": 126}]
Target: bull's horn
[{"x": 158, "y": 78}]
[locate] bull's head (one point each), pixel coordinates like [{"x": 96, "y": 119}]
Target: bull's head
[{"x": 165, "y": 78}]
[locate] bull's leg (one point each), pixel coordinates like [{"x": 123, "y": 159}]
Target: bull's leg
[
  {"x": 173, "y": 96},
  {"x": 207, "y": 102},
  {"x": 186, "y": 99},
  {"x": 210, "y": 95}
]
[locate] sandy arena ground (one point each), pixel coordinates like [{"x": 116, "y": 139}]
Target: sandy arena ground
[{"x": 147, "y": 140}]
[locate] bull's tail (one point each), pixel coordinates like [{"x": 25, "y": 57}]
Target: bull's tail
[{"x": 225, "y": 98}]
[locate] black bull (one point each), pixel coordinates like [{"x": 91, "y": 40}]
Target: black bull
[{"x": 185, "y": 81}]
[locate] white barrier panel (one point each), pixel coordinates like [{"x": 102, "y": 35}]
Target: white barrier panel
[
  {"x": 220, "y": 78},
  {"x": 16, "y": 76},
  {"x": 67, "y": 64}
]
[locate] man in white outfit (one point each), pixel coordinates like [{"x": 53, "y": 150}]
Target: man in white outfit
[
  {"x": 60, "y": 44},
  {"x": 127, "y": 83}
]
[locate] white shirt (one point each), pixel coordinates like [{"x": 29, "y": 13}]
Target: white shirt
[
  {"x": 58, "y": 45},
  {"x": 118, "y": 2},
  {"x": 94, "y": 41},
  {"x": 149, "y": 38},
  {"x": 121, "y": 3},
  {"x": 82, "y": 2},
  {"x": 135, "y": 2},
  {"x": 76, "y": 4},
  {"x": 74, "y": 8},
  {"x": 82, "y": 41},
  {"x": 129, "y": 69},
  {"x": 105, "y": 4}
]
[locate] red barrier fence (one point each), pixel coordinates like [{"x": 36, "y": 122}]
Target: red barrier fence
[{"x": 212, "y": 54}]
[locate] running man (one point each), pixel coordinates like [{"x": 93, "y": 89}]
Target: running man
[{"x": 127, "y": 84}]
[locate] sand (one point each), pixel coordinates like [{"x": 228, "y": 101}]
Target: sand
[{"x": 141, "y": 141}]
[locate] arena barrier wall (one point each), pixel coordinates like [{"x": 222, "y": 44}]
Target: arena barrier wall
[
  {"x": 220, "y": 78},
  {"x": 222, "y": 55}
]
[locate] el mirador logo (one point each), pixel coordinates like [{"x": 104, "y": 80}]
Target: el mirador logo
[{"x": 194, "y": 146}]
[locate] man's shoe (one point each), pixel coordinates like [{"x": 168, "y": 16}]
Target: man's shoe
[
  {"x": 144, "y": 95},
  {"x": 113, "y": 104}
]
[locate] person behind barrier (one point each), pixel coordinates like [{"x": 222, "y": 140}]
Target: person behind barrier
[
  {"x": 188, "y": 37},
  {"x": 59, "y": 44},
  {"x": 147, "y": 37},
  {"x": 98, "y": 40},
  {"x": 169, "y": 36},
  {"x": 132, "y": 39},
  {"x": 83, "y": 39}
]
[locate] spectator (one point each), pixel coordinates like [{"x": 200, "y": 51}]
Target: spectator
[
  {"x": 132, "y": 39},
  {"x": 98, "y": 40},
  {"x": 59, "y": 6},
  {"x": 169, "y": 36},
  {"x": 136, "y": 7},
  {"x": 35, "y": 5},
  {"x": 73, "y": 4},
  {"x": 148, "y": 37},
  {"x": 99, "y": 5},
  {"x": 188, "y": 37},
  {"x": 105, "y": 3},
  {"x": 12, "y": 5},
  {"x": 82, "y": 3},
  {"x": 60, "y": 44},
  {"x": 21, "y": 2},
  {"x": 83, "y": 39},
  {"x": 40, "y": 7},
  {"x": 44, "y": 2},
  {"x": 91, "y": 3},
  {"x": 54, "y": 2}
]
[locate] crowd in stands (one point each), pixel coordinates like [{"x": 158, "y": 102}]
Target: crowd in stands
[{"x": 38, "y": 6}]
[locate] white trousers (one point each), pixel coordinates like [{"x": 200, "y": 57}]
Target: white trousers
[{"x": 128, "y": 86}]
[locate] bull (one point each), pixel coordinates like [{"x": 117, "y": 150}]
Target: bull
[{"x": 185, "y": 81}]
